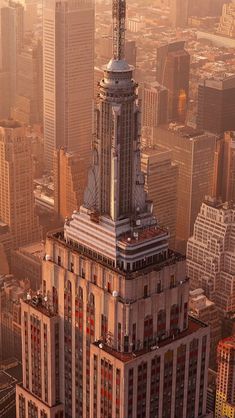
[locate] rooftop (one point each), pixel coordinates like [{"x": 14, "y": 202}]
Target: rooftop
[
  {"x": 218, "y": 204},
  {"x": 194, "y": 326},
  {"x": 172, "y": 257},
  {"x": 184, "y": 131},
  {"x": 144, "y": 234},
  {"x": 228, "y": 342},
  {"x": 10, "y": 375},
  {"x": 35, "y": 249},
  {"x": 10, "y": 123},
  {"x": 40, "y": 304}
]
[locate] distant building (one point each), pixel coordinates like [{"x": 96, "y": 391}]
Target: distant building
[
  {"x": 205, "y": 8},
  {"x": 68, "y": 71},
  {"x": 30, "y": 15},
  {"x": 179, "y": 13},
  {"x": 18, "y": 221},
  {"x": 173, "y": 67},
  {"x": 211, "y": 254},
  {"x": 105, "y": 50},
  {"x": 228, "y": 324},
  {"x": 4, "y": 262},
  {"x": 28, "y": 106},
  {"x": 205, "y": 310},
  {"x": 161, "y": 181},
  {"x": 10, "y": 375},
  {"x": 225, "y": 390},
  {"x": 154, "y": 109},
  {"x": 226, "y": 168},
  {"x": 135, "y": 24},
  {"x": 216, "y": 105},
  {"x": 11, "y": 291},
  {"x": 11, "y": 44},
  {"x": 69, "y": 181},
  {"x": 227, "y": 21},
  {"x": 195, "y": 154},
  {"x": 26, "y": 263},
  {"x": 211, "y": 391}
]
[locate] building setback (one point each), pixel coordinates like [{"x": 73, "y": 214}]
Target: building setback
[
  {"x": 210, "y": 254},
  {"x": 112, "y": 323}
]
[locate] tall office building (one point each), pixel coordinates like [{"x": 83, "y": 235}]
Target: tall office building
[
  {"x": 225, "y": 389},
  {"x": 226, "y": 170},
  {"x": 68, "y": 57},
  {"x": 161, "y": 185},
  {"x": 195, "y": 155},
  {"x": 154, "y": 110},
  {"x": 173, "y": 67},
  {"x": 11, "y": 40},
  {"x": 216, "y": 105},
  {"x": 125, "y": 345},
  {"x": 210, "y": 254},
  {"x": 28, "y": 106},
  {"x": 179, "y": 13},
  {"x": 18, "y": 221}
]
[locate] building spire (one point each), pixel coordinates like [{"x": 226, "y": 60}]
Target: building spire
[{"x": 119, "y": 21}]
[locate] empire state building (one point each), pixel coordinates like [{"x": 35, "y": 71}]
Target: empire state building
[{"x": 110, "y": 336}]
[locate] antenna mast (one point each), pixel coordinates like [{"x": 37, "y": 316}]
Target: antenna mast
[{"x": 119, "y": 23}]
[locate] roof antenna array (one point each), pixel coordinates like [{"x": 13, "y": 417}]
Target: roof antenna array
[{"x": 119, "y": 23}]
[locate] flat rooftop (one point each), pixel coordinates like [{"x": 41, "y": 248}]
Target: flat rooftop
[
  {"x": 143, "y": 235},
  {"x": 35, "y": 249},
  {"x": 10, "y": 123},
  {"x": 38, "y": 303},
  {"x": 218, "y": 204},
  {"x": 10, "y": 375},
  {"x": 194, "y": 326},
  {"x": 172, "y": 257}
]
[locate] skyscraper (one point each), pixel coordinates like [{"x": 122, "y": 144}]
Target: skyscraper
[
  {"x": 161, "y": 185},
  {"x": 225, "y": 389},
  {"x": 179, "y": 13},
  {"x": 227, "y": 21},
  {"x": 216, "y": 105},
  {"x": 28, "y": 106},
  {"x": 173, "y": 67},
  {"x": 226, "y": 173},
  {"x": 125, "y": 345},
  {"x": 195, "y": 154},
  {"x": 11, "y": 39},
  {"x": 68, "y": 56},
  {"x": 210, "y": 254},
  {"x": 17, "y": 212},
  {"x": 154, "y": 110}
]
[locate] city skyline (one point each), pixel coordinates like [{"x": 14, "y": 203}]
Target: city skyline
[{"x": 117, "y": 280}]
